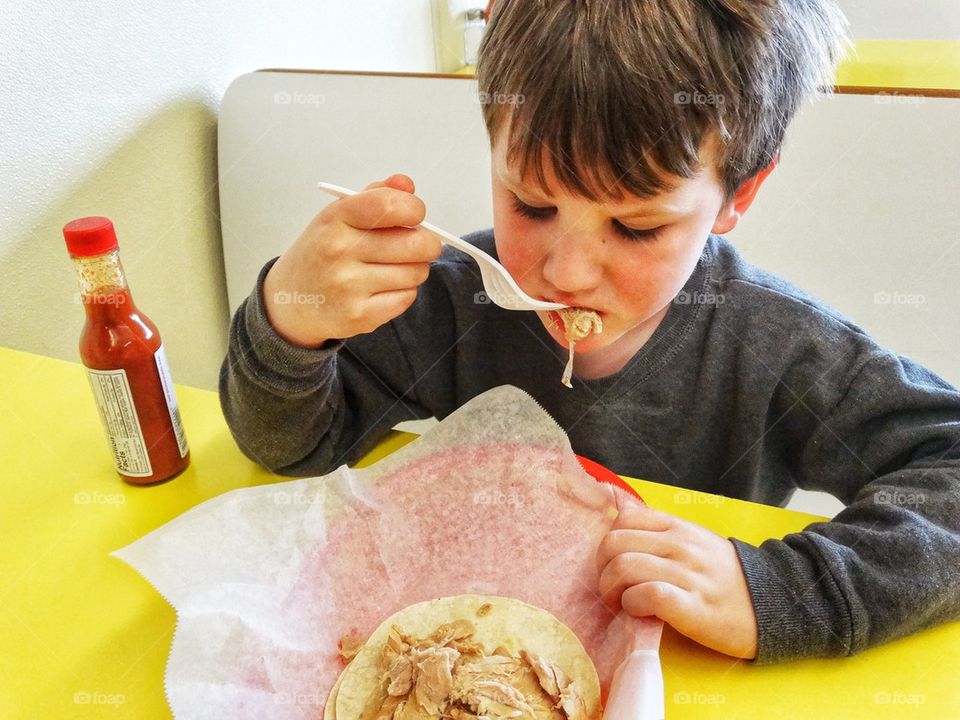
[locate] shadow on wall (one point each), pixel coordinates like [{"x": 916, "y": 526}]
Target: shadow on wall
[{"x": 159, "y": 187}]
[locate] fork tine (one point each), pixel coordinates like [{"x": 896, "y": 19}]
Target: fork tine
[
  {"x": 507, "y": 296},
  {"x": 504, "y": 296}
]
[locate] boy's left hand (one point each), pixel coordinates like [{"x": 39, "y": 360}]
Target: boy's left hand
[{"x": 652, "y": 563}]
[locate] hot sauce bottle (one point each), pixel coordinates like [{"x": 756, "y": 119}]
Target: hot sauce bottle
[{"x": 125, "y": 361}]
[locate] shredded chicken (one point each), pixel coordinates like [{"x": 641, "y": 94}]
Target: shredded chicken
[
  {"x": 550, "y": 676},
  {"x": 349, "y": 646},
  {"x": 578, "y": 323},
  {"x": 400, "y": 676},
  {"x": 571, "y": 702},
  {"x": 487, "y": 685},
  {"x": 448, "y": 675},
  {"x": 435, "y": 677},
  {"x": 564, "y": 692}
]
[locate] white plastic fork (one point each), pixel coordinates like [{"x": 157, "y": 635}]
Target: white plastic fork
[{"x": 500, "y": 287}]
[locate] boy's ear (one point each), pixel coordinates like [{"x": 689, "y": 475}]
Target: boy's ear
[{"x": 730, "y": 214}]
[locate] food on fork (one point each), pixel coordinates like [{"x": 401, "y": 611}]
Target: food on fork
[{"x": 578, "y": 323}]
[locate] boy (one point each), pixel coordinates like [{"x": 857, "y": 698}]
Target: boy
[{"x": 625, "y": 138}]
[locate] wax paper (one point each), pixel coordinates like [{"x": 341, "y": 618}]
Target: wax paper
[{"x": 267, "y": 580}]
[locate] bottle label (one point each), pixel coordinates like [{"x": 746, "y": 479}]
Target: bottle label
[
  {"x": 111, "y": 390},
  {"x": 167, "y": 381}
]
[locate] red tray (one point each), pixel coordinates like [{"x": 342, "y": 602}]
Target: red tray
[{"x": 604, "y": 475}]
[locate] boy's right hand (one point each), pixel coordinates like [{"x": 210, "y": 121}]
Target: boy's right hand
[{"x": 357, "y": 266}]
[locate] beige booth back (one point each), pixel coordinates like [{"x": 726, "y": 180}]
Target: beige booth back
[{"x": 863, "y": 211}]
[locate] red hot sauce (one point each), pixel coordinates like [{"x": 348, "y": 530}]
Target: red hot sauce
[{"x": 125, "y": 361}]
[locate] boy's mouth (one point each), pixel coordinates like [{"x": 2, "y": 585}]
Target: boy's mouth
[{"x": 555, "y": 323}]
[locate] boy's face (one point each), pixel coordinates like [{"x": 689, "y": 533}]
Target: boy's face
[{"x": 626, "y": 260}]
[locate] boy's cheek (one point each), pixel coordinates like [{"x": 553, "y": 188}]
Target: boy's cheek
[
  {"x": 517, "y": 262},
  {"x": 643, "y": 289},
  {"x": 518, "y": 251}
]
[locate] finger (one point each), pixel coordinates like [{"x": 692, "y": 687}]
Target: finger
[
  {"x": 629, "y": 569},
  {"x": 398, "y": 245},
  {"x": 635, "y": 515},
  {"x": 617, "y": 542},
  {"x": 381, "y": 207},
  {"x": 667, "y": 602},
  {"x": 625, "y": 501},
  {"x": 385, "y": 278},
  {"x": 384, "y": 307},
  {"x": 398, "y": 181}
]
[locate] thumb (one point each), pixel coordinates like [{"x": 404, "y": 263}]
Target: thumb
[
  {"x": 626, "y": 501},
  {"x": 397, "y": 181},
  {"x": 634, "y": 514}
]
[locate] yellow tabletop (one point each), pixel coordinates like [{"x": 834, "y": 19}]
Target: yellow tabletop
[
  {"x": 84, "y": 636},
  {"x": 924, "y": 66}
]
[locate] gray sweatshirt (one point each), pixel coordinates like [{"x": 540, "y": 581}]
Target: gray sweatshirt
[{"x": 749, "y": 388}]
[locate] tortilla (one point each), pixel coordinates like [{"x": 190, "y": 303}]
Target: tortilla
[
  {"x": 330, "y": 709},
  {"x": 556, "y": 670}
]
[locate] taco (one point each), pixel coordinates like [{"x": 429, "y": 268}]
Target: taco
[{"x": 468, "y": 657}]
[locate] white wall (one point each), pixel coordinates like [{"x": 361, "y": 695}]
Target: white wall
[
  {"x": 110, "y": 108},
  {"x": 903, "y": 19}
]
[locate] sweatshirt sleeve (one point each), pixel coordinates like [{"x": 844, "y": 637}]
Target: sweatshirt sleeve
[
  {"x": 288, "y": 407},
  {"x": 889, "y": 563}
]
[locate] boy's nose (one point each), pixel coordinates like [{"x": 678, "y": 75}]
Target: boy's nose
[{"x": 571, "y": 267}]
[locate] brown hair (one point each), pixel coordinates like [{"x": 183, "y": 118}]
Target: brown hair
[{"x": 620, "y": 91}]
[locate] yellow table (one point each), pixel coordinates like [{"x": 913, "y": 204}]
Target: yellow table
[
  {"x": 908, "y": 67},
  {"x": 84, "y": 636}
]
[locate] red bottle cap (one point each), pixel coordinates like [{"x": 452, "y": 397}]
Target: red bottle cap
[{"x": 89, "y": 236}]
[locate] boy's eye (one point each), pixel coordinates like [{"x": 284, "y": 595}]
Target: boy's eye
[
  {"x": 542, "y": 213},
  {"x": 635, "y": 234},
  {"x": 535, "y": 213}
]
